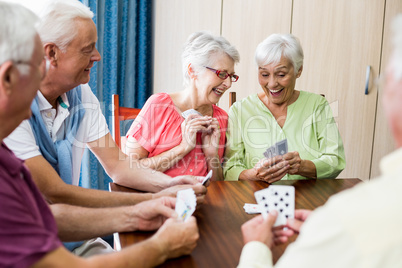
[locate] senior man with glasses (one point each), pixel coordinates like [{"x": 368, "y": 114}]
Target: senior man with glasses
[
  {"x": 66, "y": 117},
  {"x": 183, "y": 133}
]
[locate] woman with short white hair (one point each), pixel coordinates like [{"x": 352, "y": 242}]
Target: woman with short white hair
[
  {"x": 282, "y": 133},
  {"x": 183, "y": 133}
]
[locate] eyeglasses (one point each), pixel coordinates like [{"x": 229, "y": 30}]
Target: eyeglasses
[
  {"x": 44, "y": 70},
  {"x": 223, "y": 75}
]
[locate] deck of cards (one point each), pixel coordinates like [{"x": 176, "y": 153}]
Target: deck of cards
[
  {"x": 277, "y": 197},
  {"x": 186, "y": 113},
  {"x": 280, "y": 148},
  {"x": 186, "y": 202}
]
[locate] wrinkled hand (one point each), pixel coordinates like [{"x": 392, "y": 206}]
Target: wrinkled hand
[
  {"x": 272, "y": 169},
  {"x": 150, "y": 215},
  {"x": 294, "y": 160},
  {"x": 301, "y": 216},
  {"x": 189, "y": 128},
  {"x": 177, "y": 238},
  {"x": 199, "y": 190},
  {"x": 258, "y": 229},
  {"x": 210, "y": 139}
]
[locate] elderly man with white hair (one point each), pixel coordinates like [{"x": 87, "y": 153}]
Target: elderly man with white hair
[
  {"x": 29, "y": 235},
  {"x": 360, "y": 227}
]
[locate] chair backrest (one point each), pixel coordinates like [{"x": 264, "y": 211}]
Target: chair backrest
[
  {"x": 232, "y": 98},
  {"x": 121, "y": 114}
]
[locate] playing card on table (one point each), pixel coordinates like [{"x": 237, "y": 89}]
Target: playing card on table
[
  {"x": 251, "y": 208},
  {"x": 277, "y": 197},
  {"x": 190, "y": 111},
  {"x": 282, "y": 147},
  {"x": 185, "y": 203}
]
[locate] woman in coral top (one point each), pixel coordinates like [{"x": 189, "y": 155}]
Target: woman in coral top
[{"x": 183, "y": 133}]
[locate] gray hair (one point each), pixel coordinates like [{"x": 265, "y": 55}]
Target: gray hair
[
  {"x": 396, "y": 59},
  {"x": 277, "y": 45},
  {"x": 57, "y": 25},
  {"x": 200, "y": 49},
  {"x": 17, "y": 33}
]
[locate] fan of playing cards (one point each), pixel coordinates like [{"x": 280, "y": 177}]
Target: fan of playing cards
[
  {"x": 280, "y": 148},
  {"x": 277, "y": 197},
  {"x": 185, "y": 203}
]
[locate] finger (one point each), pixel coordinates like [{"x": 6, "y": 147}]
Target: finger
[
  {"x": 272, "y": 218},
  {"x": 294, "y": 224},
  {"x": 274, "y": 171},
  {"x": 280, "y": 240},
  {"x": 302, "y": 214},
  {"x": 165, "y": 211},
  {"x": 277, "y": 177}
]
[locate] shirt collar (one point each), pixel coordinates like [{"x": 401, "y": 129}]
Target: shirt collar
[
  {"x": 392, "y": 163},
  {"x": 45, "y": 105}
]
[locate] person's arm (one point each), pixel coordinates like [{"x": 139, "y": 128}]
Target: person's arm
[
  {"x": 259, "y": 240},
  {"x": 56, "y": 191},
  {"x": 168, "y": 158},
  {"x": 172, "y": 240},
  {"x": 210, "y": 148},
  {"x": 129, "y": 172},
  {"x": 78, "y": 223}
]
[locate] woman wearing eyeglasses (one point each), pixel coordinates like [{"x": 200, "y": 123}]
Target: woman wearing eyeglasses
[
  {"x": 278, "y": 113},
  {"x": 183, "y": 133}
]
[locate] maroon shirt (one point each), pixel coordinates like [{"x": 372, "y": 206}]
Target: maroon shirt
[{"x": 27, "y": 228}]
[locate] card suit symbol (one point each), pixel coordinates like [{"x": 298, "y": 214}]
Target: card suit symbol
[
  {"x": 281, "y": 210},
  {"x": 276, "y": 193},
  {"x": 281, "y": 199},
  {"x": 266, "y": 205},
  {"x": 276, "y": 204},
  {"x": 287, "y": 204},
  {"x": 287, "y": 194},
  {"x": 287, "y": 216},
  {"x": 263, "y": 198}
]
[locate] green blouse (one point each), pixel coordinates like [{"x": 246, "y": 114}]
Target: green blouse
[{"x": 310, "y": 129}]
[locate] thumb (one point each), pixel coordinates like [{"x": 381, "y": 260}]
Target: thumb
[
  {"x": 272, "y": 218},
  {"x": 166, "y": 211},
  {"x": 294, "y": 224}
]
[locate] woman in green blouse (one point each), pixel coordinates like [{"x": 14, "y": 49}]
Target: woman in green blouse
[{"x": 315, "y": 148}]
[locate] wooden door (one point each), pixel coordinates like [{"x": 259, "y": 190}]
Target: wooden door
[
  {"x": 174, "y": 21},
  {"x": 245, "y": 23},
  {"x": 340, "y": 39},
  {"x": 383, "y": 140}
]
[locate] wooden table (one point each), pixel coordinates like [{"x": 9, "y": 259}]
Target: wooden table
[{"x": 221, "y": 216}]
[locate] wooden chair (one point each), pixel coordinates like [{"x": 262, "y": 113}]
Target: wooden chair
[
  {"x": 232, "y": 98},
  {"x": 121, "y": 114}
]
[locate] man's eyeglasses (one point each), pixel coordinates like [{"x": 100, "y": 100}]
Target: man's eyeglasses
[
  {"x": 223, "y": 75},
  {"x": 44, "y": 65}
]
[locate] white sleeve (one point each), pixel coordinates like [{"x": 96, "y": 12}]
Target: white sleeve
[
  {"x": 22, "y": 141},
  {"x": 255, "y": 255},
  {"x": 94, "y": 122}
]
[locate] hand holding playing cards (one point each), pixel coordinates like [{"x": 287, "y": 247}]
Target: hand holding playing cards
[
  {"x": 301, "y": 216},
  {"x": 210, "y": 139},
  {"x": 150, "y": 215},
  {"x": 294, "y": 161},
  {"x": 272, "y": 169},
  {"x": 177, "y": 238},
  {"x": 199, "y": 190},
  {"x": 189, "y": 128},
  {"x": 258, "y": 229}
]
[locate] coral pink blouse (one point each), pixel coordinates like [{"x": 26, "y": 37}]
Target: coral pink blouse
[{"x": 158, "y": 129}]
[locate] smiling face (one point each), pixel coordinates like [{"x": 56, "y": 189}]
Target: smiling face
[
  {"x": 74, "y": 65},
  {"x": 209, "y": 86},
  {"x": 278, "y": 80}
]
